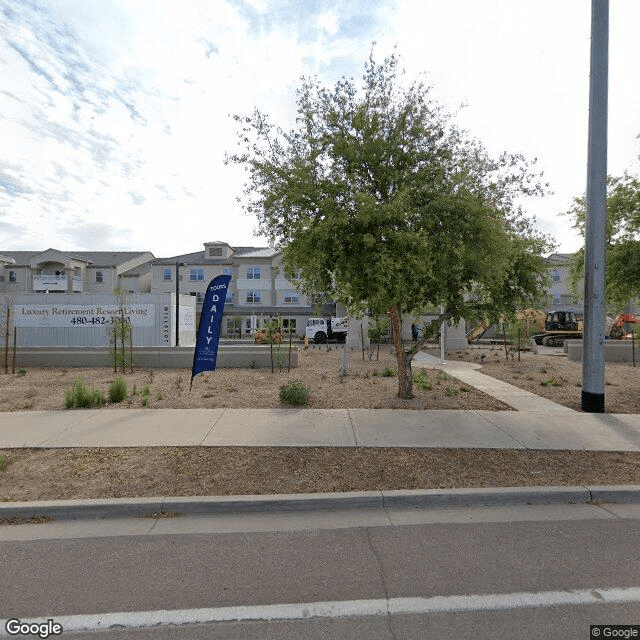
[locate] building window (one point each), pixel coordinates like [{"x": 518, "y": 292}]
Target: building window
[
  {"x": 229, "y": 298},
  {"x": 556, "y": 276},
  {"x": 99, "y": 276},
  {"x": 291, "y": 296},
  {"x": 196, "y": 274},
  {"x": 13, "y": 276},
  {"x": 234, "y": 326},
  {"x": 167, "y": 275},
  {"x": 199, "y": 297},
  {"x": 289, "y": 326},
  {"x": 253, "y": 273},
  {"x": 253, "y": 297},
  {"x": 215, "y": 251}
]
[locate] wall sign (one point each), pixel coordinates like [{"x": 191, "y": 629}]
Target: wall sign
[{"x": 64, "y": 315}]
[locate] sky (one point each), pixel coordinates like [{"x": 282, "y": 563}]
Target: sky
[{"x": 115, "y": 114}]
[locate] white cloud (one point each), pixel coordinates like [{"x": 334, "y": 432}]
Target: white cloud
[{"x": 102, "y": 102}]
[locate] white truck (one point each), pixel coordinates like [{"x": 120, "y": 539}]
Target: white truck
[{"x": 322, "y": 329}]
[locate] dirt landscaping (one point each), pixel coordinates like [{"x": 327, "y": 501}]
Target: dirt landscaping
[
  {"x": 363, "y": 388},
  {"x": 551, "y": 375},
  {"x": 46, "y": 474}
]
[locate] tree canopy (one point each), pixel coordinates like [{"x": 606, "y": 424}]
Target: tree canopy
[
  {"x": 622, "y": 240},
  {"x": 376, "y": 197}
]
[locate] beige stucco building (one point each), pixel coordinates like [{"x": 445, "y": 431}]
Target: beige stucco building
[
  {"x": 56, "y": 271},
  {"x": 258, "y": 291}
]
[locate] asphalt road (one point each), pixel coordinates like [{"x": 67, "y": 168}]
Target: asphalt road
[{"x": 568, "y": 554}]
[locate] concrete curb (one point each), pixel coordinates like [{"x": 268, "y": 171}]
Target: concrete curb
[{"x": 219, "y": 505}]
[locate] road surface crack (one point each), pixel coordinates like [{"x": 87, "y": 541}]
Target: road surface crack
[{"x": 384, "y": 582}]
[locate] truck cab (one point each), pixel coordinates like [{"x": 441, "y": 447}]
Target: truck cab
[{"x": 320, "y": 330}]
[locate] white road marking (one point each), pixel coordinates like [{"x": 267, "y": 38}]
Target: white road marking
[{"x": 339, "y": 609}]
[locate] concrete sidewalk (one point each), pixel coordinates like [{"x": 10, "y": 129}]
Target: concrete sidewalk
[{"x": 313, "y": 427}]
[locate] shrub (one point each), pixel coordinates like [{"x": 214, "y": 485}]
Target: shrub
[
  {"x": 294, "y": 393},
  {"x": 69, "y": 401},
  {"x": 118, "y": 390},
  {"x": 389, "y": 372},
  {"x": 451, "y": 391},
  {"x": 99, "y": 397},
  {"x": 81, "y": 396},
  {"x": 422, "y": 380},
  {"x": 552, "y": 382},
  {"x": 22, "y": 372},
  {"x": 84, "y": 397},
  {"x": 3, "y": 462}
]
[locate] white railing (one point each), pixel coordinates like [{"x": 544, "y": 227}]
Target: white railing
[
  {"x": 50, "y": 283},
  {"x": 56, "y": 283}
]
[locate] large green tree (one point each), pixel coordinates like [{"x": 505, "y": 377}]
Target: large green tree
[
  {"x": 375, "y": 197},
  {"x": 622, "y": 240}
]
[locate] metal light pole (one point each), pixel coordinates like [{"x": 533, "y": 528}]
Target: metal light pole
[
  {"x": 596, "y": 215},
  {"x": 443, "y": 328}
]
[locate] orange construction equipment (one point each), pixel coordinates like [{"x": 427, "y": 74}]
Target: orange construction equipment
[{"x": 624, "y": 327}]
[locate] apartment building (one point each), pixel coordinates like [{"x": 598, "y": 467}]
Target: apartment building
[
  {"x": 56, "y": 271},
  {"x": 258, "y": 291},
  {"x": 560, "y": 295}
]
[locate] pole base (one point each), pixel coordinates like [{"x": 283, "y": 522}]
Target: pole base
[{"x": 592, "y": 402}]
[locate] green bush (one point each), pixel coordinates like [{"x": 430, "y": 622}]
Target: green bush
[
  {"x": 422, "y": 380},
  {"x": 118, "y": 390},
  {"x": 294, "y": 393},
  {"x": 69, "y": 401},
  {"x": 22, "y": 372},
  {"x": 3, "y": 462},
  {"x": 451, "y": 391},
  {"x": 389, "y": 372},
  {"x": 552, "y": 382},
  {"x": 81, "y": 396},
  {"x": 99, "y": 397}
]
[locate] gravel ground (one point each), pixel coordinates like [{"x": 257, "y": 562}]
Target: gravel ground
[
  {"x": 551, "y": 375},
  {"x": 319, "y": 370},
  {"x": 48, "y": 474}
]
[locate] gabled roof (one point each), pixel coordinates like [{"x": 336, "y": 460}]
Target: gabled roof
[
  {"x": 95, "y": 258},
  {"x": 269, "y": 252},
  {"x": 199, "y": 257},
  {"x": 136, "y": 271},
  {"x": 560, "y": 257}
]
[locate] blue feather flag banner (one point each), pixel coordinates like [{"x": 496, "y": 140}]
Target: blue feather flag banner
[{"x": 206, "y": 352}]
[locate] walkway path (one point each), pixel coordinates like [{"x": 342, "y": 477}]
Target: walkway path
[{"x": 515, "y": 397}]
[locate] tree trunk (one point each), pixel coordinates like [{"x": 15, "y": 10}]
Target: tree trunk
[{"x": 405, "y": 379}]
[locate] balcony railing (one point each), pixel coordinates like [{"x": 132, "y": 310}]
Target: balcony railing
[{"x": 56, "y": 283}]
